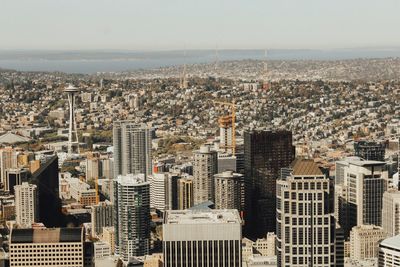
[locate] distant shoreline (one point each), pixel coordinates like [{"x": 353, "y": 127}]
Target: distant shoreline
[{"x": 89, "y": 62}]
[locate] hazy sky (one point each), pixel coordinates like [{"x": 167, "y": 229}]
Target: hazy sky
[{"x": 176, "y": 24}]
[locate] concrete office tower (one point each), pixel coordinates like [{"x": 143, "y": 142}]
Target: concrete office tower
[
  {"x": 107, "y": 170},
  {"x": 132, "y": 148},
  {"x": 158, "y": 190},
  {"x": 389, "y": 252},
  {"x": 204, "y": 167},
  {"x": 15, "y": 177},
  {"x": 364, "y": 241},
  {"x": 365, "y": 184},
  {"x": 26, "y": 205},
  {"x": 185, "y": 193},
  {"x": 266, "y": 153},
  {"x": 132, "y": 216},
  {"x": 73, "y": 143},
  {"x": 370, "y": 150},
  {"x": 202, "y": 238},
  {"x": 340, "y": 167},
  {"x": 8, "y": 160},
  {"x": 93, "y": 169},
  {"x": 102, "y": 216},
  {"x": 47, "y": 247},
  {"x": 109, "y": 237},
  {"x": 391, "y": 212},
  {"x": 305, "y": 221},
  {"x": 229, "y": 191}
]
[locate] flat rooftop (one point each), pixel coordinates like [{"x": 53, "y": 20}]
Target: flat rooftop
[
  {"x": 47, "y": 235},
  {"x": 202, "y": 216}
]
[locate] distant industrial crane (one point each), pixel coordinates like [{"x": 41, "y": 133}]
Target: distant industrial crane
[
  {"x": 183, "y": 83},
  {"x": 266, "y": 84},
  {"x": 228, "y": 121}
]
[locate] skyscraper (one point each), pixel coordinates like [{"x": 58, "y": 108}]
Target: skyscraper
[
  {"x": 364, "y": 241},
  {"x": 102, "y": 216},
  {"x": 391, "y": 212},
  {"x": 15, "y": 177},
  {"x": 46, "y": 180},
  {"x": 26, "y": 205},
  {"x": 185, "y": 193},
  {"x": 132, "y": 148},
  {"x": 305, "y": 221},
  {"x": 365, "y": 183},
  {"x": 8, "y": 160},
  {"x": 158, "y": 190},
  {"x": 229, "y": 191},
  {"x": 204, "y": 167},
  {"x": 202, "y": 238},
  {"x": 389, "y": 252},
  {"x": 266, "y": 152},
  {"x": 132, "y": 216},
  {"x": 370, "y": 150}
]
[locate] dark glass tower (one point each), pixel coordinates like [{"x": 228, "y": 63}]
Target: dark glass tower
[
  {"x": 266, "y": 153},
  {"x": 370, "y": 150},
  {"x": 46, "y": 180}
]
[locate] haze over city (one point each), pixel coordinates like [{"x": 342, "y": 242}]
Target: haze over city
[{"x": 199, "y": 133}]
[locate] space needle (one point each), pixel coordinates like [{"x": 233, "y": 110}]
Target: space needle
[{"x": 73, "y": 144}]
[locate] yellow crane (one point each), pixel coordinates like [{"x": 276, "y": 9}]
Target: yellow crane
[
  {"x": 96, "y": 185},
  {"x": 228, "y": 121}
]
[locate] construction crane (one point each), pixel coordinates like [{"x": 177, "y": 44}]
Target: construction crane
[
  {"x": 228, "y": 121},
  {"x": 266, "y": 84},
  {"x": 96, "y": 186}
]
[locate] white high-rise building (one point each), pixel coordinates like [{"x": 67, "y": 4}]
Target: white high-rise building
[
  {"x": 26, "y": 204},
  {"x": 132, "y": 216},
  {"x": 364, "y": 185},
  {"x": 132, "y": 148},
  {"x": 364, "y": 240},
  {"x": 391, "y": 212},
  {"x": 305, "y": 218},
  {"x": 389, "y": 252},
  {"x": 202, "y": 238},
  {"x": 204, "y": 167},
  {"x": 158, "y": 188}
]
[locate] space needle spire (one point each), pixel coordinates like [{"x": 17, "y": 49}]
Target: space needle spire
[{"x": 73, "y": 143}]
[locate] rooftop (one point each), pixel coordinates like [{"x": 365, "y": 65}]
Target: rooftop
[
  {"x": 47, "y": 235},
  {"x": 131, "y": 179},
  {"x": 391, "y": 242},
  {"x": 305, "y": 167},
  {"x": 202, "y": 216},
  {"x": 12, "y": 138}
]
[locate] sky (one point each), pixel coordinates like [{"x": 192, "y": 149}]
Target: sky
[{"x": 198, "y": 24}]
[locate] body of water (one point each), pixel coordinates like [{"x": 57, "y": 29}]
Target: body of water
[{"x": 116, "y": 61}]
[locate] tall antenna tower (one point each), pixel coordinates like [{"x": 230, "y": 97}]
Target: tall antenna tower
[
  {"x": 266, "y": 84},
  {"x": 73, "y": 143},
  {"x": 216, "y": 60},
  {"x": 183, "y": 84}
]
